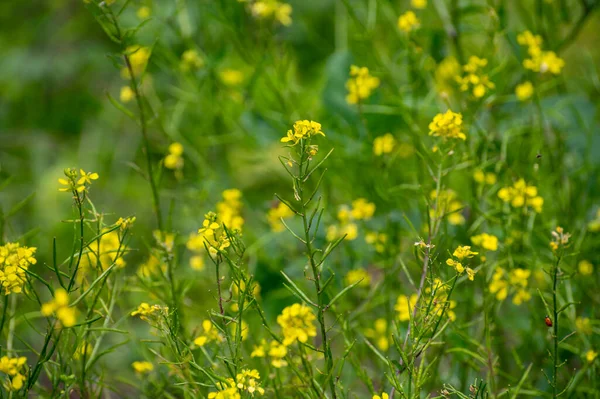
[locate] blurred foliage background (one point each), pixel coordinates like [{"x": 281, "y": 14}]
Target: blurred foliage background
[{"x": 57, "y": 71}]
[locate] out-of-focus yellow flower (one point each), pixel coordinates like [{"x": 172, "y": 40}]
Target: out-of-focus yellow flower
[
  {"x": 362, "y": 209},
  {"x": 418, "y": 4},
  {"x": 486, "y": 241},
  {"x": 585, "y": 268},
  {"x": 473, "y": 78},
  {"x": 584, "y": 325},
  {"x": 174, "y": 159},
  {"x": 377, "y": 240},
  {"x": 59, "y": 306},
  {"x": 521, "y": 194},
  {"x": 272, "y": 9},
  {"x": 231, "y": 77},
  {"x": 448, "y": 125},
  {"x": 14, "y": 261},
  {"x": 379, "y": 333},
  {"x": 408, "y": 22},
  {"x": 524, "y": 91},
  {"x": 191, "y": 60},
  {"x": 445, "y": 75},
  {"x": 360, "y": 85},
  {"x": 539, "y": 60},
  {"x": 138, "y": 57},
  {"x": 499, "y": 284},
  {"x": 297, "y": 324},
  {"x": 225, "y": 390},
  {"x": 277, "y": 353},
  {"x": 143, "y": 12},
  {"x": 360, "y": 276},
  {"x": 276, "y": 213},
  {"x": 142, "y": 367},
  {"x": 209, "y": 334},
  {"x": 16, "y": 370},
  {"x": 404, "y": 306},
  {"x": 384, "y": 144},
  {"x": 484, "y": 178},
  {"x": 559, "y": 238},
  {"x": 591, "y": 355},
  {"x": 385, "y": 395},
  {"x": 126, "y": 94},
  {"x": 447, "y": 205}
]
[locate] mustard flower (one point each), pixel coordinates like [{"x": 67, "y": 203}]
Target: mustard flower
[
  {"x": 404, "y": 306},
  {"x": 584, "y": 325},
  {"x": 383, "y": 395},
  {"x": 59, "y": 306},
  {"x": 143, "y": 12},
  {"x": 418, "y": 4},
  {"x": 272, "y": 9},
  {"x": 408, "y": 22},
  {"x": 521, "y": 194},
  {"x": 146, "y": 311},
  {"x": 484, "y": 178},
  {"x": 83, "y": 349},
  {"x": 499, "y": 285},
  {"x": 585, "y": 267},
  {"x": 126, "y": 94},
  {"x": 138, "y": 57},
  {"x": 108, "y": 249},
  {"x": 297, "y": 323},
  {"x": 247, "y": 381},
  {"x": 473, "y": 78},
  {"x": 539, "y": 60},
  {"x": 213, "y": 234},
  {"x": 14, "y": 261},
  {"x": 73, "y": 183},
  {"x": 464, "y": 252},
  {"x": 15, "y": 369},
  {"x": 209, "y": 334},
  {"x": 276, "y": 213},
  {"x": 174, "y": 159},
  {"x": 448, "y": 126},
  {"x": 524, "y": 91},
  {"x": 142, "y": 367},
  {"x": 360, "y": 85},
  {"x": 259, "y": 350},
  {"x": 446, "y": 204},
  {"x": 445, "y": 75},
  {"x": 379, "y": 333},
  {"x": 349, "y": 231},
  {"x": 277, "y": 353},
  {"x": 591, "y": 355},
  {"x": 225, "y": 390},
  {"x": 229, "y": 210},
  {"x": 191, "y": 60},
  {"x": 362, "y": 209},
  {"x": 377, "y": 240},
  {"x": 560, "y": 239},
  {"x": 231, "y": 77},
  {"x": 360, "y": 276},
  {"x": 384, "y": 144},
  {"x": 485, "y": 241},
  {"x": 302, "y": 130}
]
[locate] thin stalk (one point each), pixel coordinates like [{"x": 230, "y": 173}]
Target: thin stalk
[{"x": 555, "y": 332}]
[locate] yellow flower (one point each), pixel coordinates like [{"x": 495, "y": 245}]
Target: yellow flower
[
  {"x": 377, "y": 240},
  {"x": 265, "y": 9},
  {"x": 521, "y": 296},
  {"x": 145, "y": 311},
  {"x": 385, "y": 395},
  {"x": 484, "y": 178},
  {"x": 106, "y": 250},
  {"x": 14, "y": 261},
  {"x": 384, "y": 144},
  {"x": 584, "y": 325},
  {"x": 464, "y": 252},
  {"x": 226, "y": 390},
  {"x": 297, "y": 323},
  {"x": 474, "y": 79},
  {"x": 471, "y": 273},
  {"x": 15, "y": 369},
  {"x": 143, "y": 12},
  {"x": 360, "y": 276},
  {"x": 594, "y": 225},
  {"x": 591, "y": 355},
  {"x": 127, "y": 94},
  {"x": 174, "y": 159},
  {"x": 559, "y": 238},
  {"x": 524, "y": 91},
  {"x": 521, "y": 194},
  {"x": 404, "y": 306},
  {"x": 74, "y": 183},
  {"x": 276, "y": 213},
  {"x": 499, "y": 285},
  {"x": 418, "y": 4},
  {"x": 191, "y": 60},
  {"x": 585, "y": 268},
  {"x": 539, "y": 61},
  {"x": 277, "y": 353},
  {"x": 259, "y": 350},
  {"x": 142, "y": 367},
  {"x": 138, "y": 57},
  {"x": 231, "y": 77},
  {"x": 445, "y": 75},
  {"x": 380, "y": 334},
  {"x": 303, "y": 130},
  {"x": 408, "y": 21},
  {"x": 446, "y": 204},
  {"x": 59, "y": 306},
  {"x": 456, "y": 265},
  {"x": 360, "y": 85},
  {"x": 247, "y": 381},
  {"x": 362, "y": 209},
  {"x": 486, "y": 241},
  {"x": 447, "y": 125},
  {"x": 209, "y": 334}
]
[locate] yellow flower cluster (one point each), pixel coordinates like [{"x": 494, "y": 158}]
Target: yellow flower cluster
[
  {"x": 59, "y": 306},
  {"x": 539, "y": 61},
  {"x": 445, "y": 75},
  {"x": 226, "y": 390},
  {"x": 408, "y": 21},
  {"x": 297, "y": 324},
  {"x": 441, "y": 302},
  {"x": 247, "y": 381},
  {"x": 383, "y": 396},
  {"x": 379, "y": 333},
  {"x": 143, "y": 12},
  {"x": 377, "y": 240},
  {"x": 191, "y": 60},
  {"x": 384, "y": 144},
  {"x": 138, "y": 57},
  {"x": 447, "y": 205},
  {"x": 102, "y": 253},
  {"x": 360, "y": 85},
  {"x": 126, "y": 94},
  {"x": 524, "y": 91},
  {"x": 231, "y": 77},
  {"x": 404, "y": 306},
  {"x": 517, "y": 278},
  {"x": 585, "y": 267},
  {"x": 360, "y": 276},
  {"x": 302, "y": 130},
  {"x": 448, "y": 125},
  {"x": 276, "y": 351},
  {"x": 212, "y": 234},
  {"x": 559, "y": 238},
  {"x": 14, "y": 261},
  {"x": 174, "y": 159},
  {"x": 272, "y": 9},
  {"x": 73, "y": 183},
  {"x": 276, "y": 213},
  {"x": 235, "y": 292},
  {"x": 229, "y": 211},
  {"x": 361, "y": 209},
  {"x": 209, "y": 334},
  {"x": 484, "y": 178},
  {"x": 591, "y": 355},
  {"x": 485, "y": 241},
  {"x": 461, "y": 253},
  {"x": 473, "y": 78},
  {"x": 521, "y": 194},
  {"x": 14, "y": 368},
  {"x": 142, "y": 367},
  {"x": 146, "y": 311}
]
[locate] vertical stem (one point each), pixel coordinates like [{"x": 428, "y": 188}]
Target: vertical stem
[{"x": 555, "y": 333}]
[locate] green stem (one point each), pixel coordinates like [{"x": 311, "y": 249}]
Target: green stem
[{"x": 555, "y": 332}]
